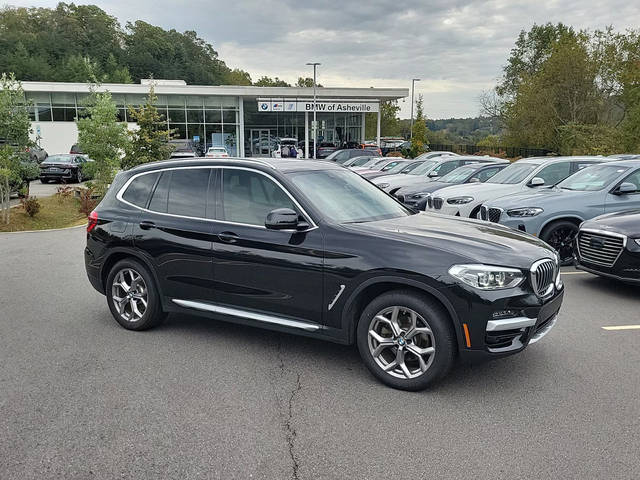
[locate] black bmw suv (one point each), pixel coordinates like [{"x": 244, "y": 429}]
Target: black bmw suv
[{"x": 312, "y": 248}]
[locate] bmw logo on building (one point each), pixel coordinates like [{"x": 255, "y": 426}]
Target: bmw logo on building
[{"x": 264, "y": 106}]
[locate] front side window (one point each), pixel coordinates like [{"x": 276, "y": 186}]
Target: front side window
[
  {"x": 423, "y": 169},
  {"x": 445, "y": 168},
  {"x": 487, "y": 173},
  {"x": 458, "y": 175},
  {"x": 514, "y": 173},
  {"x": 634, "y": 178},
  {"x": 139, "y": 189},
  {"x": 555, "y": 172},
  {"x": 345, "y": 197},
  {"x": 248, "y": 197}
]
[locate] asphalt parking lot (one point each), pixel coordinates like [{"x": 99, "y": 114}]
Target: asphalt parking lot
[{"x": 80, "y": 397}]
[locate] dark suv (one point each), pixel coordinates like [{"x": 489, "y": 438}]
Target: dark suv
[{"x": 312, "y": 248}]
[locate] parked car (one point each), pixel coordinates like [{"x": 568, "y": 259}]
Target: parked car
[
  {"x": 36, "y": 153},
  {"x": 381, "y": 166},
  {"x": 217, "y": 152},
  {"x": 325, "y": 149},
  {"x": 429, "y": 170},
  {"x": 362, "y": 163},
  {"x": 609, "y": 246},
  {"x": 404, "y": 167},
  {"x": 64, "y": 168},
  {"x": 430, "y": 155},
  {"x": 183, "y": 149},
  {"x": 554, "y": 214},
  {"x": 341, "y": 156},
  {"x": 296, "y": 247},
  {"x": 418, "y": 196},
  {"x": 288, "y": 142},
  {"x": 521, "y": 176},
  {"x": 371, "y": 146}
]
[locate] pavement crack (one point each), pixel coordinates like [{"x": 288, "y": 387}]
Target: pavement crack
[{"x": 291, "y": 431}]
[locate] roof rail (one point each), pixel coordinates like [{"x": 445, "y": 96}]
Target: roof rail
[{"x": 261, "y": 162}]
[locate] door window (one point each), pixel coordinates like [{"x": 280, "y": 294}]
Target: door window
[
  {"x": 248, "y": 197},
  {"x": 486, "y": 174},
  {"x": 445, "y": 168},
  {"x": 182, "y": 192},
  {"x": 635, "y": 179},
  {"x": 139, "y": 189},
  {"x": 554, "y": 173}
]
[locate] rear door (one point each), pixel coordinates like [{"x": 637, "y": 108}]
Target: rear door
[
  {"x": 173, "y": 231},
  {"x": 276, "y": 272},
  {"x": 626, "y": 201}
]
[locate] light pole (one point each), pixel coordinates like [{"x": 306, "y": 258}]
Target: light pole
[
  {"x": 413, "y": 83},
  {"x": 315, "y": 124}
]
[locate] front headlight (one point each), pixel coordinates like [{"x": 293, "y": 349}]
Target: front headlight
[
  {"x": 487, "y": 277},
  {"x": 419, "y": 195},
  {"x": 459, "y": 200},
  {"x": 637, "y": 240},
  {"x": 383, "y": 185},
  {"x": 525, "y": 212}
]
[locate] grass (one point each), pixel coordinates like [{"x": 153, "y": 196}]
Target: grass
[{"x": 55, "y": 212}]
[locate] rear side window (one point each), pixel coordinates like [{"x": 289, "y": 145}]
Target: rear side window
[
  {"x": 182, "y": 192},
  {"x": 139, "y": 189}
]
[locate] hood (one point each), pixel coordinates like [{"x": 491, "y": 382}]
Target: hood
[
  {"x": 474, "y": 241},
  {"x": 479, "y": 191},
  {"x": 422, "y": 187},
  {"x": 626, "y": 223},
  {"x": 540, "y": 197}
]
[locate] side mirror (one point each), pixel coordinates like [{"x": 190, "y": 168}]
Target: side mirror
[
  {"x": 625, "y": 187},
  {"x": 474, "y": 180},
  {"x": 536, "y": 182},
  {"x": 282, "y": 219},
  {"x": 432, "y": 174}
]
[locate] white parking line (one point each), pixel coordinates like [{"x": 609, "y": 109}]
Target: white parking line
[{"x": 622, "y": 327}]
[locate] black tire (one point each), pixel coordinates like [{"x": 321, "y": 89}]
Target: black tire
[
  {"x": 444, "y": 339},
  {"x": 153, "y": 314},
  {"x": 560, "y": 235},
  {"x": 44, "y": 180},
  {"x": 78, "y": 176}
]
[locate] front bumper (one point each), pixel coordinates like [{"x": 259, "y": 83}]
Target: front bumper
[
  {"x": 67, "y": 174},
  {"x": 625, "y": 269}
]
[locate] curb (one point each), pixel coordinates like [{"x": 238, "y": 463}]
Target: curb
[{"x": 44, "y": 230}]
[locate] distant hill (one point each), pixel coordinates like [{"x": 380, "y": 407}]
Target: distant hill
[{"x": 465, "y": 130}]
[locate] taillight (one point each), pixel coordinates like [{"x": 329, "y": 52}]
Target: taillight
[{"x": 92, "y": 221}]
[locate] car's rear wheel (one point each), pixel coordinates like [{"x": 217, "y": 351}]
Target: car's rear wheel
[
  {"x": 133, "y": 297},
  {"x": 560, "y": 236},
  {"x": 406, "y": 340},
  {"x": 79, "y": 176}
]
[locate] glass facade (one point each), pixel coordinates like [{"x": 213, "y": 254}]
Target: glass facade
[
  {"x": 208, "y": 120},
  {"x": 263, "y": 129}
]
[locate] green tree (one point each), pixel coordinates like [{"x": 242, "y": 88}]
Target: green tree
[
  {"x": 103, "y": 138},
  {"x": 265, "y": 81},
  {"x": 150, "y": 142},
  {"x": 419, "y": 140},
  {"x": 15, "y": 127},
  {"x": 238, "y": 77},
  {"x": 306, "y": 82},
  {"x": 389, "y": 121}
]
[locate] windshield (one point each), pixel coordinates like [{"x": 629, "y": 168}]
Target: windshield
[
  {"x": 58, "y": 159},
  {"x": 411, "y": 167},
  {"x": 514, "y": 173},
  {"x": 458, "y": 175},
  {"x": 424, "y": 168},
  {"x": 345, "y": 197},
  {"x": 592, "y": 178}
]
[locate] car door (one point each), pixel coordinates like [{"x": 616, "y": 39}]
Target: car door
[
  {"x": 173, "y": 231},
  {"x": 276, "y": 272},
  {"x": 626, "y": 201}
]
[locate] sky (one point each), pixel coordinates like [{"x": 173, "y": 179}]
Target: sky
[{"x": 457, "y": 48}]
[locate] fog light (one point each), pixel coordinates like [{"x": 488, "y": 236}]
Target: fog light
[{"x": 504, "y": 314}]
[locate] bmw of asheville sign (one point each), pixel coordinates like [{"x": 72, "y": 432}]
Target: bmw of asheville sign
[{"x": 297, "y": 105}]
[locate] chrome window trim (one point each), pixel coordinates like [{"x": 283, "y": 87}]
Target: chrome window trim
[
  {"x": 604, "y": 233},
  {"x": 236, "y": 312},
  {"x": 194, "y": 167}
]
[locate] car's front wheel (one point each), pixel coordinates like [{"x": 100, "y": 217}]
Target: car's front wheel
[
  {"x": 133, "y": 297},
  {"x": 406, "y": 340},
  {"x": 560, "y": 236}
]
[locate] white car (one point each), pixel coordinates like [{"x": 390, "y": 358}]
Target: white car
[
  {"x": 287, "y": 142},
  {"x": 524, "y": 175},
  {"x": 428, "y": 170},
  {"x": 217, "y": 152}
]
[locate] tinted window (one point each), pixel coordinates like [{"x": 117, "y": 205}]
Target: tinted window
[
  {"x": 514, "y": 173},
  {"x": 161, "y": 194},
  {"x": 487, "y": 173},
  {"x": 445, "y": 168},
  {"x": 249, "y": 196},
  {"x": 188, "y": 192},
  {"x": 635, "y": 179},
  {"x": 554, "y": 173},
  {"x": 139, "y": 189}
]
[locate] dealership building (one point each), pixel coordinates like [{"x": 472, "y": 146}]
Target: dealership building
[{"x": 247, "y": 120}]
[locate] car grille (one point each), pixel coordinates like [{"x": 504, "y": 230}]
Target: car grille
[
  {"x": 491, "y": 214},
  {"x": 429, "y": 202},
  {"x": 543, "y": 275},
  {"x": 599, "y": 249},
  {"x": 437, "y": 203}
]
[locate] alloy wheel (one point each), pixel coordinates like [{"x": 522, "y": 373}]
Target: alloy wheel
[
  {"x": 129, "y": 294},
  {"x": 401, "y": 342},
  {"x": 561, "y": 239}
]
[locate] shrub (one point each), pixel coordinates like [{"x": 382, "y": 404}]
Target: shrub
[
  {"x": 89, "y": 170},
  {"x": 63, "y": 192},
  {"x": 31, "y": 205},
  {"x": 394, "y": 154},
  {"x": 87, "y": 202}
]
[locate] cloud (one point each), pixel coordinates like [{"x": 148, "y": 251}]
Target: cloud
[{"x": 456, "y": 47}]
